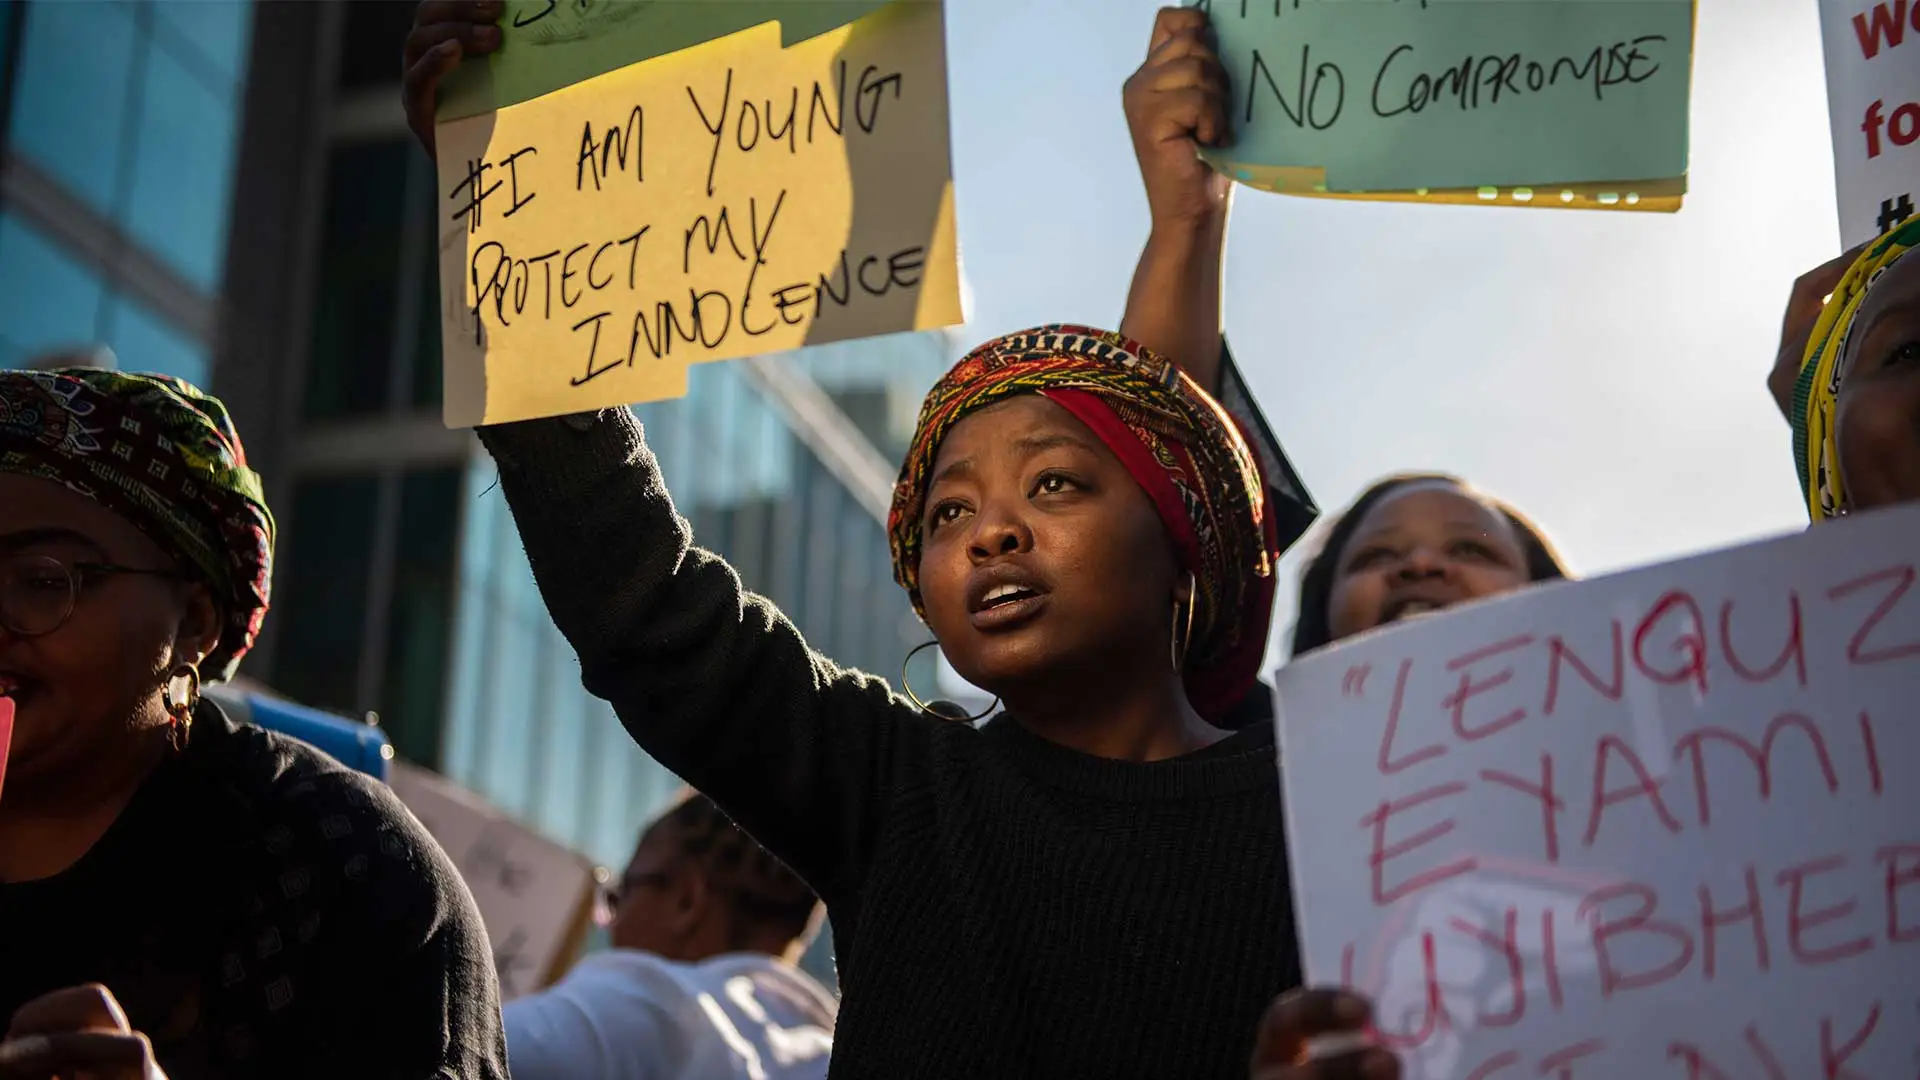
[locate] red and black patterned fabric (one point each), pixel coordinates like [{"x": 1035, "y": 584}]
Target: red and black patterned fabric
[{"x": 1178, "y": 444}]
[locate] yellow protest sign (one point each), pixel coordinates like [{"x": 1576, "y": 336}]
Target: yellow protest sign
[{"x": 727, "y": 200}]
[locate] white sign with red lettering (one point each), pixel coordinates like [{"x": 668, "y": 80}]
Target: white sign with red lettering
[
  {"x": 1873, "y": 96},
  {"x": 1658, "y": 824}
]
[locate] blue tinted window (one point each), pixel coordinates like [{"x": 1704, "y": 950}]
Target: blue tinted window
[
  {"x": 70, "y": 95},
  {"x": 46, "y": 298},
  {"x": 143, "y": 342},
  {"x": 210, "y": 35},
  {"x": 183, "y": 167}
]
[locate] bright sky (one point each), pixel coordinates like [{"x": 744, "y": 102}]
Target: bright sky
[{"x": 1605, "y": 372}]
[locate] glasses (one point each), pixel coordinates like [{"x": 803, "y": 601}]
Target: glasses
[
  {"x": 38, "y": 592},
  {"x": 613, "y": 892}
]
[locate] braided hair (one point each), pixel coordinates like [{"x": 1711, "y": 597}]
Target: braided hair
[
  {"x": 1314, "y": 628},
  {"x": 758, "y": 886}
]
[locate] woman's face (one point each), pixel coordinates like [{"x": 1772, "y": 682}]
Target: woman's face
[
  {"x": 1424, "y": 547},
  {"x": 83, "y": 685},
  {"x": 1877, "y": 418},
  {"x": 1043, "y": 560}
]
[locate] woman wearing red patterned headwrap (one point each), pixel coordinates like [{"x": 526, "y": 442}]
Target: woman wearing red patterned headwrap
[
  {"x": 182, "y": 896},
  {"x": 1093, "y": 882}
]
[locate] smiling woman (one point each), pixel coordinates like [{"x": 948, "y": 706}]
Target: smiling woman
[
  {"x": 1098, "y": 875},
  {"x": 1412, "y": 544},
  {"x": 185, "y": 896}
]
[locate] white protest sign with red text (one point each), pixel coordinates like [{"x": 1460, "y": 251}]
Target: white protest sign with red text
[
  {"x": 1873, "y": 96},
  {"x": 1658, "y": 824}
]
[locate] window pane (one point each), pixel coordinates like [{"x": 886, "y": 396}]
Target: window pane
[
  {"x": 70, "y": 95},
  {"x": 142, "y": 341},
  {"x": 182, "y": 170},
  {"x": 320, "y": 598},
  {"x": 370, "y": 52},
  {"x": 46, "y": 299},
  {"x": 418, "y": 621},
  {"x": 426, "y": 353},
  {"x": 210, "y": 35},
  {"x": 353, "y": 328}
]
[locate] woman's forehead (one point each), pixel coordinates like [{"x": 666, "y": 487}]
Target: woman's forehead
[
  {"x": 1024, "y": 418},
  {"x": 1431, "y": 502},
  {"x": 47, "y": 513}
]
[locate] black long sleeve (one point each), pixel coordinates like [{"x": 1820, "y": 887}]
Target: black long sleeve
[
  {"x": 260, "y": 911},
  {"x": 711, "y": 680}
]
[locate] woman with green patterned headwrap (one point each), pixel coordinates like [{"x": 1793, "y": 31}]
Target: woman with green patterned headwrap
[
  {"x": 182, "y": 896},
  {"x": 1855, "y": 406}
]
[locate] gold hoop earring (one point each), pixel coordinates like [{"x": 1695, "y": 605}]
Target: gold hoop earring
[
  {"x": 180, "y": 710},
  {"x": 1178, "y": 641},
  {"x": 907, "y": 688}
]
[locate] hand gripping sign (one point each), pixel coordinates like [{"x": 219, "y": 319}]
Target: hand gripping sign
[{"x": 1658, "y": 824}]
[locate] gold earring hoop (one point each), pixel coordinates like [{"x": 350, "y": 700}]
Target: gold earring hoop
[
  {"x": 1178, "y": 641},
  {"x": 180, "y": 710},
  {"x": 907, "y": 688}
]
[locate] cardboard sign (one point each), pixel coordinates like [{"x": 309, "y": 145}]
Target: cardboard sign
[
  {"x": 1873, "y": 95},
  {"x": 1658, "y": 824},
  {"x": 6, "y": 738},
  {"x": 723, "y": 201},
  {"x": 1551, "y": 103},
  {"x": 535, "y": 896},
  {"x": 547, "y": 44}
]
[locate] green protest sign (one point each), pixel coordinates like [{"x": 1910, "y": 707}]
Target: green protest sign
[
  {"x": 1392, "y": 95},
  {"x": 548, "y": 44}
]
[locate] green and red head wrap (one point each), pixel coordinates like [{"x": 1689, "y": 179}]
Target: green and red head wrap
[
  {"x": 1179, "y": 445},
  {"x": 163, "y": 455}
]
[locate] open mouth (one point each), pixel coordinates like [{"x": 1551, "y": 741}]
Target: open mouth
[
  {"x": 1402, "y": 610},
  {"x": 1002, "y": 595}
]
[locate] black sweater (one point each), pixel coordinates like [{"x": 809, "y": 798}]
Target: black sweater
[
  {"x": 1002, "y": 906},
  {"x": 262, "y": 912}
]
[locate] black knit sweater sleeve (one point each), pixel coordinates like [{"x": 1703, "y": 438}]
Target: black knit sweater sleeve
[{"x": 711, "y": 680}]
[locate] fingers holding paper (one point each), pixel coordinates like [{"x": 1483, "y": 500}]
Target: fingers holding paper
[
  {"x": 444, "y": 33},
  {"x": 1176, "y": 103},
  {"x": 1287, "y": 1049}
]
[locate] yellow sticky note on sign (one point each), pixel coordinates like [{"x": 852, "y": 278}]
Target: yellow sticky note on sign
[{"x": 727, "y": 200}]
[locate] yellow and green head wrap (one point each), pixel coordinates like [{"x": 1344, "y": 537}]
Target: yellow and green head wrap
[{"x": 1816, "y": 394}]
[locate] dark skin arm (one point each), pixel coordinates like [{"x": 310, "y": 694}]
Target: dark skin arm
[
  {"x": 1175, "y": 104},
  {"x": 1298, "y": 1018}
]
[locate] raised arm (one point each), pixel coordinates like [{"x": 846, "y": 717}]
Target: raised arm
[
  {"x": 712, "y": 681},
  {"x": 1175, "y": 104}
]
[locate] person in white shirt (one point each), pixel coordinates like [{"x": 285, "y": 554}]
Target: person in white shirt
[{"x": 700, "y": 983}]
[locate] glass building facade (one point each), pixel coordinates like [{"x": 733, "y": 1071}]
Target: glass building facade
[{"x": 123, "y": 123}]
